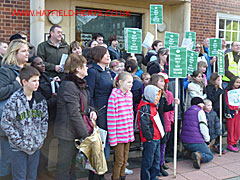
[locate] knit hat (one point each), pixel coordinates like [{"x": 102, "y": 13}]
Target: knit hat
[
  {"x": 165, "y": 77},
  {"x": 16, "y": 36},
  {"x": 152, "y": 94},
  {"x": 196, "y": 101}
]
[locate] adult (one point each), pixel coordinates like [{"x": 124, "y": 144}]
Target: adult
[
  {"x": 3, "y": 50},
  {"x": 114, "y": 51},
  {"x": 32, "y": 49},
  {"x": 98, "y": 37},
  {"x": 232, "y": 63},
  {"x": 52, "y": 50},
  {"x": 92, "y": 43},
  {"x": 73, "y": 96},
  {"x": 16, "y": 56},
  {"x": 159, "y": 65},
  {"x": 75, "y": 47}
]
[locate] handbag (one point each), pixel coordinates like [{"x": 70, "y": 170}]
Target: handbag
[{"x": 87, "y": 121}]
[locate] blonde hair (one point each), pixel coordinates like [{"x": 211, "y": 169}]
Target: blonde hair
[
  {"x": 12, "y": 50},
  {"x": 202, "y": 64},
  {"x": 113, "y": 64},
  {"x": 121, "y": 76},
  {"x": 206, "y": 101}
]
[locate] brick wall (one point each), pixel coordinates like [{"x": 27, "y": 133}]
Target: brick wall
[
  {"x": 12, "y": 24},
  {"x": 204, "y": 13}
]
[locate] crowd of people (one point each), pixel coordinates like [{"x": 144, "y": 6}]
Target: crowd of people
[{"x": 41, "y": 99}]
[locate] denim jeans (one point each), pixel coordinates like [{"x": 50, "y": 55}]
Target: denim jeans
[
  {"x": 24, "y": 166},
  {"x": 107, "y": 149},
  {"x": 66, "y": 160},
  {"x": 150, "y": 160},
  {"x": 202, "y": 148},
  {"x": 5, "y": 167}
]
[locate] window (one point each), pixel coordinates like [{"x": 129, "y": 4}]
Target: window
[
  {"x": 228, "y": 27},
  {"x": 86, "y": 26}
]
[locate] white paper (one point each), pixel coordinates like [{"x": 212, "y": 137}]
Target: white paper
[
  {"x": 53, "y": 87},
  {"x": 103, "y": 135},
  {"x": 147, "y": 43},
  {"x": 63, "y": 59},
  {"x": 187, "y": 43},
  {"x": 234, "y": 97},
  {"x": 159, "y": 124}
]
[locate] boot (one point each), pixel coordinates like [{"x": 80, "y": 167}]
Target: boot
[
  {"x": 165, "y": 166},
  {"x": 196, "y": 156},
  {"x": 187, "y": 154},
  {"x": 122, "y": 177},
  {"x": 163, "y": 172}
]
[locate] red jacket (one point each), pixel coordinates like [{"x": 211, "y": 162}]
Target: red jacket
[{"x": 147, "y": 127}]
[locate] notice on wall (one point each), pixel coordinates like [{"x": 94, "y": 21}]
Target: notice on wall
[
  {"x": 192, "y": 36},
  {"x": 177, "y": 62},
  {"x": 171, "y": 39},
  {"x": 221, "y": 63},
  {"x": 156, "y": 14},
  {"x": 215, "y": 44},
  {"x": 192, "y": 60}
]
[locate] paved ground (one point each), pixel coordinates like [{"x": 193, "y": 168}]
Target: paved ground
[{"x": 225, "y": 167}]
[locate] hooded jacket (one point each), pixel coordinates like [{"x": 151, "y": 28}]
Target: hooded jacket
[{"x": 25, "y": 126}]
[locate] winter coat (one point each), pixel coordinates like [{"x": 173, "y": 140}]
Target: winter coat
[
  {"x": 114, "y": 54},
  {"x": 69, "y": 123},
  {"x": 100, "y": 84},
  {"x": 169, "y": 116},
  {"x": 25, "y": 126},
  {"x": 213, "y": 94},
  {"x": 213, "y": 124},
  {"x": 51, "y": 55}
]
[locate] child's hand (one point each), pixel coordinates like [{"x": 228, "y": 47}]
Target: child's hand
[
  {"x": 56, "y": 78},
  {"x": 93, "y": 115},
  {"x": 176, "y": 101}
]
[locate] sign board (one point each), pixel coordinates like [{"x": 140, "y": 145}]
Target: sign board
[
  {"x": 156, "y": 14},
  {"x": 234, "y": 97},
  {"x": 171, "y": 39},
  {"x": 221, "y": 63},
  {"x": 192, "y": 61},
  {"x": 215, "y": 44}
]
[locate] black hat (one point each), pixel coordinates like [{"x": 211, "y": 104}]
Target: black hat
[
  {"x": 30, "y": 60},
  {"x": 196, "y": 101},
  {"x": 16, "y": 36}
]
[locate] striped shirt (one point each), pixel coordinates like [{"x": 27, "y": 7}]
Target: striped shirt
[{"x": 120, "y": 117}]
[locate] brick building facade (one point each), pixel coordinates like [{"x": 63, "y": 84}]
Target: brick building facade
[
  {"x": 11, "y": 24},
  {"x": 204, "y": 15}
]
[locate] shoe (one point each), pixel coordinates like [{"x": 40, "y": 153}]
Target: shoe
[
  {"x": 165, "y": 166},
  {"x": 215, "y": 148},
  {"x": 128, "y": 171},
  {"x": 187, "y": 154},
  {"x": 232, "y": 148},
  {"x": 163, "y": 172},
  {"x": 127, "y": 164},
  {"x": 196, "y": 156},
  {"x": 166, "y": 160},
  {"x": 122, "y": 177}
]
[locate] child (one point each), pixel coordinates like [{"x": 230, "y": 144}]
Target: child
[
  {"x": 233, "y": 123},
  {"x": 195, "y": 136},
  {"x": 202, "y": 67},
  {"x": 114, "y": 67},
  {"x": 213, "y": 125},
  {"x": 150, "y": 134},
  {"x": 159, "y": 81},
  {"x": 120, "y": 122},
  {"x": 145, "y": 77},
  {"x": 122, "y": 64},
  {"x": 25, "y": 122},
  {"x": 196, "y": 88}
]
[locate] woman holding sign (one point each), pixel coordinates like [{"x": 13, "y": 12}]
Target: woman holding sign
[{"x": 232, "y": 114}]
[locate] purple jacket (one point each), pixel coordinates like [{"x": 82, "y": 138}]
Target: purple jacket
[{"x": 190, "y": 126}]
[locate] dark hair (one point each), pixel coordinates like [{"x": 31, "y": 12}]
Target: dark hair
[
  {"x": 213, "y": 78},
  {"x": 155, "y": 78},
  {"x": 231, "y": 83},
  {"x": 143, "y": 75},
  {"x": 27, "y": 72},
  {"x": 131, "y": 65},
  {"x": 96, "y": 35},
  {"x": 87, "y": 53},
  {"x": 196, "y": 73},
  {"x": 112, "y": 37},
  {"x": 89, "y": 43},
  {"x": 74, "y": 44},
  {"x": 155, "y": 43},
  {"x": 162, "y": 51},
  {"x": 31, "y": 59},
  {"x": 16, "y": 36},
  {"x": 97, "y": 53},
  {"x": 121, "y": 60},
  {"x": 53, "y": 28}
]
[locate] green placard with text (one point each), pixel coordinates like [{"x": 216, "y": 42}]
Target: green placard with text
[
  {"x": 177, "y": 62},
  {"x": 156, "y": 14},
  {"x": 171, "y": 39},
  {"x": 215, "y": 44},
  {"x": 192, "y": 61},
  {"x": 191, "y": 35},
  {"x": 134, "y": 40},
  {"x": 221, "y": 63}
]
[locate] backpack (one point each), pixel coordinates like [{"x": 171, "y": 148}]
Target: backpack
[{"x": 147, "y": 58}]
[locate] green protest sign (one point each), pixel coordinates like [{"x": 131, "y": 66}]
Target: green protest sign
[
  {"x": 156, "y": 14},
  {"x": 134, "y": 40},
  {"x": 171, "y": 39},
  {"x": 177, "y": 62},
  {"x": 215, "y": 44},
  {"x": 221, "y": 63},
  {"x": 192, "y": 60},
  {"x": 191, "y": 35}
]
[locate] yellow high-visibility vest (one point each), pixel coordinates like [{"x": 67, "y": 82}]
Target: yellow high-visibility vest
[{"x": 233, "y": 67}]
